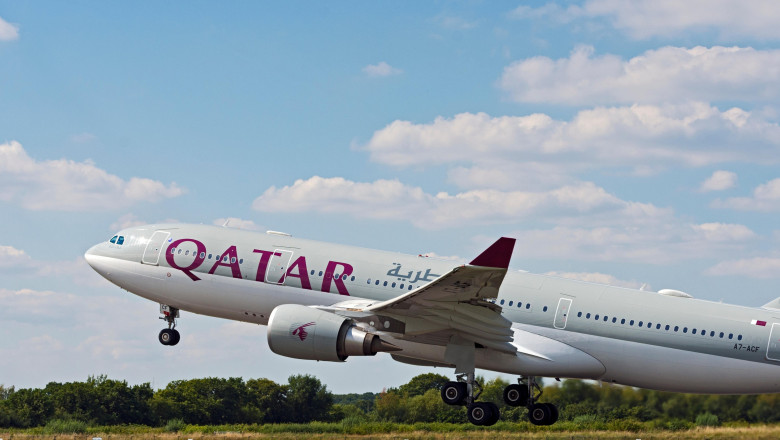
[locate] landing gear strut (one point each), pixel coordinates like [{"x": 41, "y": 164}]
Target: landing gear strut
[
  {"x": 169, "y": 336},
  {"x": 526, "y": 393}
]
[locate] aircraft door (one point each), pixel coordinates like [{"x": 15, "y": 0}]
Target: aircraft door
[
  {"x": 773, "y": 347},
  {"x": 154, "y": 247},
  {"x": 277, "y": 266},
  {"x": 562, "y": 313}
]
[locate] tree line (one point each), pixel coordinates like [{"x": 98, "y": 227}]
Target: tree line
[{"x": 303, "y": 399}]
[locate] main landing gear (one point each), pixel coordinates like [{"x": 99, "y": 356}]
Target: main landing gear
[
  {"x": 466, "y": 390},
  {"x": 169, "y": 336}
]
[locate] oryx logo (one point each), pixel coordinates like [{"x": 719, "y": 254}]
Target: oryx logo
[{"x": 300, "y": 331}]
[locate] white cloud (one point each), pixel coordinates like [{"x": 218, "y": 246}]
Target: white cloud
[
  {"x": 668, "y": 74},
  {"x": 83, "y": 138},
  {"x": 128, "y": 220},
  {"x": 766, "y": 197},
  {"x": 455, "y": 23},
  {"x": 10, "y": 257},
  {"x": 381, "y": 69},
  {"x": 65, "y": 185},
  {"x": 641, "y": 137},
  {"x": 665, "y": 18},
  {"x": 660, "y": 239},
  {"x": 390, "y": 199},
  {"x": 759, "y": 267},
  {"x": 235, "y": 222},
  {"x": 719, "y": 181},
  {"x": 8, "y": 31},
  {"x": 598, "y": 278},
  {"x": 642, "y": 19}
]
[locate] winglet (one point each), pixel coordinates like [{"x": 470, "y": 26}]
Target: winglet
[{"x": 497, "y": 255}]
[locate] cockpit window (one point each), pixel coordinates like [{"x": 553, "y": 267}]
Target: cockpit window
[
  {"x": 120, "y": 240},
  {"x": 113, "y": 239}
]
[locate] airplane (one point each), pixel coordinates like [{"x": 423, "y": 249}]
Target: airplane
[{"x": 327, "y": 302}]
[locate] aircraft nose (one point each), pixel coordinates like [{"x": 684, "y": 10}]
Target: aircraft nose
[{"x": 90, "y": 256}]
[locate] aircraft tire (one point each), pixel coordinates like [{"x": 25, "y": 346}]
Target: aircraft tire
[
  {"x": 516, "y": 395},
  {"x": 496, "y": 414},
  {"x": 553, "y": 412},
  {"x": 539, "y": 414},
  {"x": 166, "y": 336},
  {"x": 454, "y": 393},
  {"x": 481, "y": 413},
  {"x": 176, "y": 337}
]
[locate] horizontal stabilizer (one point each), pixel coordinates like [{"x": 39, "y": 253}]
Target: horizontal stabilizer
[{"x": 774, "y": 304}]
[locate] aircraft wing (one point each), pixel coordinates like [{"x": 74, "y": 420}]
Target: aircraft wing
[{"x": 456, "y": 304}]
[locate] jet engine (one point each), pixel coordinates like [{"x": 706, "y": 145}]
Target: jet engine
[{"x": 305, "y": 333}]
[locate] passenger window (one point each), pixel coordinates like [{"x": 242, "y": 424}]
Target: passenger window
[
  {"x": 113, "y": 239},
  {"x": 385, "y": 284},
  {"x": 667, "y": 327},
  {"x": 579, "y": 314},
  {"x": 173, "y": 251},
  {"x": 352, "y": 279},
  {"x": 640, "y": 323},
  {"x": 649, "y": 324},
  {"x": 179, "y": 252},
  {"x": 631, "y": 322},
  {"x": 187, "y": 253},
  {"x": 614, "y": 320},
  {"x": 587, "y": 316},
  {"x": 320, "y": 273},
  {"x": 596, "y": 317},
  {"x": 685, "y": 329},
  {"x": 739, "y": 338},
  {"x": 410, "y": 287},
  {"x": 712, "y": 334},
  {"x": 202, "y": 255},
  {"x": 241, "y": 261},
  {"x": 658, "y": 326},
  {"x": 527, "y": 306},
  {"x": 377, "y": 282},
  {"x": 519, "y": 304},
  {"x": 721, "y": 335},
  {"x": 510, "y": 303},
  {"x": 676, "y": 328},
  {"x": 502, "y": 302},
  {"x": 545, "y": 309},
  {"x": 120, "y": 240},
  {"x": 312, "y": 273},
  {"x": 401, "y": 286},
  {"x": 623, "y": 321},
  {"x": 731, "y": 335},
  {"x": 233, "y": 260},
  {"x": 605, "y": 318}
]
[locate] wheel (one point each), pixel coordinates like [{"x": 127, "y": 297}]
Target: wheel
[
  {"x": 176, "y": 337},
  {"x": 496, "y": 414},
  {"x": 454, "y": 393},
  {"x": 516, "y": 395},
  {"x": 166, "y": 336},
  {"x": 481, "y": 413},
  {"x": 539, "y": 414},
  {"x": 553, "y": 412}
]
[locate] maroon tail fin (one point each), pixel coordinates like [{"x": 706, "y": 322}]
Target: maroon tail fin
[{"x": 497, "y": 255}]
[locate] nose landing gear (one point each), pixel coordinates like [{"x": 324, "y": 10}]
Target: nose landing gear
[{"x": 169, "y": 336}]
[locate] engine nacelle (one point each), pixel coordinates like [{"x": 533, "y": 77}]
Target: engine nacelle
[{"x": 305, "y": 333}]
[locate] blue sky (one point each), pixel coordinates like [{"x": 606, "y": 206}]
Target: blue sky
[{"x": 628, "y": 143}]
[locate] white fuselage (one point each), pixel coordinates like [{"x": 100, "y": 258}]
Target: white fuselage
[{"x": 562, "y": 328}]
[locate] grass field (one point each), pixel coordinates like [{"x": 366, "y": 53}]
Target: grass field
[{"x": 752, "y": 432}]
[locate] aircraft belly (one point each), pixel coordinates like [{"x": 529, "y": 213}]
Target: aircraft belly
[{"x": 670, "y": 369}]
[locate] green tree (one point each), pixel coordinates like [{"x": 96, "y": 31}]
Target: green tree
[
  {"x": 266, "y": 402},
  {"x": 308, "y": 399},
  {"x": 421, "y": 383}
]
